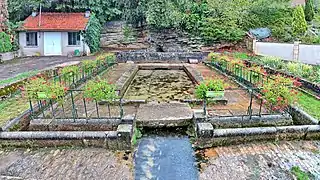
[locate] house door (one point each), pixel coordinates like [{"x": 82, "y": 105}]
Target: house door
[{"x": 52, "y": 44}]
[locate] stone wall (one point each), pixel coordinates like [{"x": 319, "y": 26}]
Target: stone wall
[{"x": 144, "y": 56}]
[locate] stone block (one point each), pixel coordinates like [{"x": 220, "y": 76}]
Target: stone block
[
  {"x": 124, "y": 131},
  {"x": 205, "y": 130},
  {"x": 199, "y": 114}
]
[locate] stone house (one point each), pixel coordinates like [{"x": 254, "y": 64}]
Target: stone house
[{"x": 54, "y": 34}]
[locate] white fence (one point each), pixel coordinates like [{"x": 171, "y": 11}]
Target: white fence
[{"x": 309, "y": 54}]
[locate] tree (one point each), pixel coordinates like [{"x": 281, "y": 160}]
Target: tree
[
  {"x": 309, "y": 10},
  {"x": 299, "y": 23}
]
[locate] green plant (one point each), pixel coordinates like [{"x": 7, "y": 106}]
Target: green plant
[
  {"x": 88, "y": 65},
  {"x": 127, "y": 33},
  {"x": 273, "y": 62},
  {"x": 299, "y": 23},
  {"x": 209, "y": 85},
  {"x": 137, "y": 135},
  {"x": 99, "y": 90},
  {"x": 213, "y": 56},
  {"x": 93, "y": 33},
  {"x": 309, "y": 10},
  {"x": 69, "y": 72},
  {"x": 240, "y": 55},
  {"x": 301, "y": 175},
  {"x": 41, "y": 89},
  {"x": 278, "y": 92},
  {"x": 5, "y": 43}
]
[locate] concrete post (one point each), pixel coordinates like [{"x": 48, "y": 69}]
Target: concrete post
[
  {"x": 296, "y": 50},
  {"x": 254, "y": 46}
]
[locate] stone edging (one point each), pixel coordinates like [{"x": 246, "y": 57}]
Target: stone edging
[{"x": 208, "y": 137}]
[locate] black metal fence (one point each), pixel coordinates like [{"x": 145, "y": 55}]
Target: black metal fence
[{"x": 76, "y": 106}]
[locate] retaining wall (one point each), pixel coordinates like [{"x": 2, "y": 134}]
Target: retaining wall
[
  {"x": 159, "y": 56},
  {"x": 219, "y": 137}
]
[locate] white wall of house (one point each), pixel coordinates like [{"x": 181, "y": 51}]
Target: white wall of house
[{"x": 39, "y": 50}]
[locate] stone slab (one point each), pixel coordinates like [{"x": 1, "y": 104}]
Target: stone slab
[
  {"x": 164, "y": 114},
  {"x": 205, "y": 130}
]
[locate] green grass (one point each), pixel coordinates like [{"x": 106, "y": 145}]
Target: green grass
[
  {"x": 11, "y": 108},
  {"x": 18, "y": 77},
  {"x": 300, "y": 175},
  {"x": 310, "y": 105}
]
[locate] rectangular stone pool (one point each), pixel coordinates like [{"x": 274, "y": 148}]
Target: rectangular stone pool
[{"x": 160, "y": 85}]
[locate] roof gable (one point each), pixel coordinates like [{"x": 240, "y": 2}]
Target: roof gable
[{"x": 56, "y": 22}]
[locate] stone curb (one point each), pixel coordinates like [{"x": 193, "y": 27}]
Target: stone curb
[
  {"x": 245, "y": 121},
  {"x": 58, "y": 135},
  {"x": 304, "y": 117}
]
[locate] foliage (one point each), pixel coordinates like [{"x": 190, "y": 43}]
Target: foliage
[
  {"x": 209, "y": 85},
  {"x": 212, "y": 56},
  {"x": 127, "y": 33},
  {"x": 273, "y": 62},
  {"x": 107, "y": 58},
  {"x": 299, "y": 69},
  {"x": 88, "y": 65},
  {"x": 240, "y": 55},
  {"x": 300, "y": 175},
  {"x": 99, "y": 90},
  {"x": 278, "y": 92},
  {"x": 133, "y": 11},
  {"x": 137, "y": 135},
  {"x": 49, "y": 89},
  {"x": 5, "y": 43},
  {"x": 104, "y": 9},
  {"x": 309, "y": 10},
  {"x": 69, "y": 72},
  {"x": 92, "y": 34},
  {"x": 162, "y": 14},
  {"x": 299, "y": 23}
]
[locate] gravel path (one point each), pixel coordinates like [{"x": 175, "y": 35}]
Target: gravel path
[
  {"x": 262, "y": 161},
  {"x": 64, "y": 164}
]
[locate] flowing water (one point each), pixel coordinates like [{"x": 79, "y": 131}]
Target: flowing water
[{"x": 165, "y": 158}]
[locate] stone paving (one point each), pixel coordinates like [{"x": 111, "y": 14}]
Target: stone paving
[
  {"x": 21, "y": 65},
  {"x": 65, "y": 164},
  {"x": 262, "y": 160}
]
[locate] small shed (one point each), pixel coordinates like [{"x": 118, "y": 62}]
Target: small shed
[{"x": 54, "y": 34}]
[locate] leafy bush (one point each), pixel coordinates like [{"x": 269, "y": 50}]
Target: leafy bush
[
  {"x": 240, "y": 55},
  {"x": 88, "y": 65},
  {"x": 5, "y": 43},
  {"x": 309, "y": 10},
  {"x": 299, "y": 24},
  {"x": 273, "y": 62},
  {"x": 69, "y": 72},
  {"x": 299, "y": 69},
  {"x": 210, "y": 85},
  {"x": 99, "y": 90},
  {"x": 278, "y": 93}
]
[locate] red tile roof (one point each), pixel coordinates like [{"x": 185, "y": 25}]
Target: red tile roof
[{"x": 56, "y": 22}]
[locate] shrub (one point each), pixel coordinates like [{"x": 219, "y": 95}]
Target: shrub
[
  {"x": 273, "y": 62},
  {"x": 5, "y": 43},
  {"x": 69, "y": 72},
  {"x": 309, "y": 10},
  {"x": 299, "y": 69},
  {"x": 88, "y": 65},
  {"x": 210, "y": 85},
  {"x": 240, "y": 55},
  {"x": 299, "y": 23},
  {"x": 278, "y": 93},
  {"x": 99, "y": 90}
]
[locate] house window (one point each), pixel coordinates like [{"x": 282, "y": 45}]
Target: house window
[
  {"x": 73, "y": 38},
  {"x": 32, "y": 39}
]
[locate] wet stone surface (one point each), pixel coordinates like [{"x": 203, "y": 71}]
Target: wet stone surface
[
  {"x": 262, "y": 161},
  {"x": 165, "y": 158},
  {"x": 160, "y": 85},
  {"x": 90, "y": 163}
]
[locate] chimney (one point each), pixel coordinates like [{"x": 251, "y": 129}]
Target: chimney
[{"x": 87, "y": 13}]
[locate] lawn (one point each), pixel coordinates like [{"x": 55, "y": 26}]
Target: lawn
[
  {"x": 310, "y": 105},
  {"x": 11, "y": 108},
  {"x": 18, "y": 77}
]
